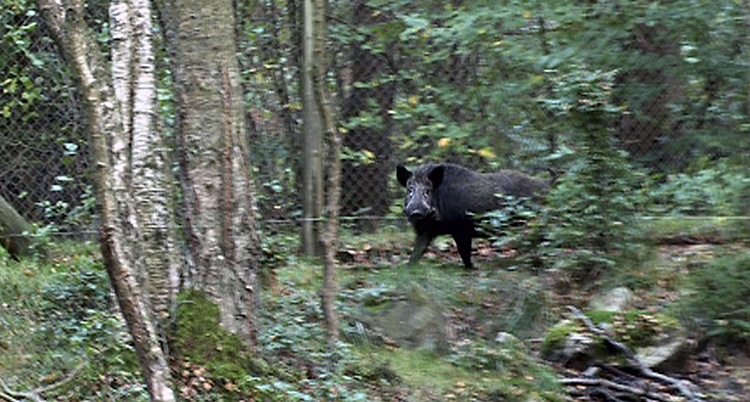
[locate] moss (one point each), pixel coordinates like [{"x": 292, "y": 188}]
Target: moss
[
  {"x": 199, "y": 339},
  {"x": 635, "y": 327},
  {"x": 431, "y": 376},
  {"x": 557, "y": 335}
]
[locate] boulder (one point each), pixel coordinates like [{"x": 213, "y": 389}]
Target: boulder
[
  {"x": 668, "y": 355},
  {"x": 405, "y": 319},
  {"x": 614, "y": 300}
]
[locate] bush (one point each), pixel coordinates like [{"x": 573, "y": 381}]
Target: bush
[
  {"x": 718, "y": 304},
  {"x": 76, "y": 309},
  {"x": 590, "y": 219},
  {"x": 718, "y": 190}
]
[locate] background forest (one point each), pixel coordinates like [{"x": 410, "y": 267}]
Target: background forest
[{"x": 639, "y": 111}]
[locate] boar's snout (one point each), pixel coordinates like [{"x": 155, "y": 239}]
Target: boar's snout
[{"x": 418, "y": 212}]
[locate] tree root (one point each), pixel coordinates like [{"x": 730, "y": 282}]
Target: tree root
[{"x": 605, "y": 386}]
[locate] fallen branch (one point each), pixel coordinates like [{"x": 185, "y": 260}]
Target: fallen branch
[
  {"x": 634, "y": 360},
  {"x": 601, "y": 382},
  {"x": 35, "y": 394}
]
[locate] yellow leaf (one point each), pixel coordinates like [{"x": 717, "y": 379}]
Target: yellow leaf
[
  {"x": 413, "y": 100},
  {"x": 527, "y": 14},
  {"x": 443, "y": 142},
  {"x": 369, "y": 154},
  {"x": 487, "y": 152}
]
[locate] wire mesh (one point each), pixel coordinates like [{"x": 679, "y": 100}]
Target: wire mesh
[{"x": 407, "y": 98}]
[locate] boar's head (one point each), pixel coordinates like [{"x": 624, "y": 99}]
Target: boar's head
[{"x": 420, "y": 202}]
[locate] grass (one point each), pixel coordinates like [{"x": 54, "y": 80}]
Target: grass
[
  {"x": 699, "y": 228},
  {"x": 47, "y": 326},
  {"x": 54, "y": 315}
]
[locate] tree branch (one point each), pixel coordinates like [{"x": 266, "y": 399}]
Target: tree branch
[
  {"x": 635, "y": 361},
  {"x": 34, "y": 395}
]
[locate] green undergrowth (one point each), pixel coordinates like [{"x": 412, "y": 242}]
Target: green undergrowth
[
  {"x": 473, "y": 372},
  {"x": 634, "y": 328},
  {"x": 57, "y": 313},
  {"x": 475, "y": 368},
  {"x": 56, "y": 318},
  {"x": 715, "y": 303},
  {"x": 199, "y": 340},
  {"x": 691, "y": 229}
]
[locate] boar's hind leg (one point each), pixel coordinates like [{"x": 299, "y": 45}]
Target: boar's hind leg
[
  {"x": 420, "y": 246},
  {"x": 463, "y": 242}
]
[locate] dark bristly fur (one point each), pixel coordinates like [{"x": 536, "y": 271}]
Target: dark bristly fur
[{"x": 441, "y": 199}]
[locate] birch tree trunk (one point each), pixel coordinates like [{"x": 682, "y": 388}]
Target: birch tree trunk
[
  {"x": 151, "y": 184},
  {"x": 110, "y": 145},
  {"x": 217, "y": 189}
]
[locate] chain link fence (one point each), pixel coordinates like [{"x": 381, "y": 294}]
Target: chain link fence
[
  {"x": 475, "y": 101},
  {"x": 43, "y": 151}
]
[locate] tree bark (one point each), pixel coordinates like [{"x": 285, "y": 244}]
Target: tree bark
[
  {"x": 12, "y": 229},
  {"x": 151, "y": 183},
  {"x": 312, "y": 152},
  {"x": 220, "y": 218},
  {"x": 119, "y": 229},
  {"x": 323, "y": 109}
]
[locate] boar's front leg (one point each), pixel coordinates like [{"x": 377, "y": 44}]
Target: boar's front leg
[
  {"x": 463, "y": 243},
  {"x": 420, "y": 246}
]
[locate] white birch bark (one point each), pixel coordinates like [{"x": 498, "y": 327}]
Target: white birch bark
[
  {"x": 118, "y": 232},
  {"x": 151, "y": 185}
]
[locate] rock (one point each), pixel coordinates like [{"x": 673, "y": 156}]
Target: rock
[
  {"x": 580, "y": 351},
  {"x": 565, "y": 344},
  {"x": 408, "y": 319},
  {"x": 616, "y": 300},
  {"x": 505, "y": 337},
  {"x": 669, "y": 355}
]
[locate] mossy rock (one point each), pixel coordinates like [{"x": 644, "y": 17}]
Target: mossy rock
[
  {"x": 557, "y": 335},
  {"x": 409, "y": 318}
]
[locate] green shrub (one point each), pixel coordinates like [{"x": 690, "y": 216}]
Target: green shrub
[
  {"x": 718, "y": 305},
  {"x": 590, "y": 220},
  {"x": 76, "y": 309},
  {"x": 721, "y": 189}
]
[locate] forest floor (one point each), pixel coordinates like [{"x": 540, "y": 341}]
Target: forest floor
[
  {"x": 57, "y": 324},
  {"x": 717, "y": 373}
]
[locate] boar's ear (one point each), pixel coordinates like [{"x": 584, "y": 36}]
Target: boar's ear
[
  {"x": 436, "y": 175},
  {"x": 402, "y": 174}
]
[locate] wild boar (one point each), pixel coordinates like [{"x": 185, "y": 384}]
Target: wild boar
[{"x": 441, "y": 199}]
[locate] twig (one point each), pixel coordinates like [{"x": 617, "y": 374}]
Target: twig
[
  {"x": 62, "y": 382},
  {"x": 34, "y": 395},
  {"x": 634, "y": 360},
  {"x": 10, "y": 395},
  {"x": 601, "y": 382}
]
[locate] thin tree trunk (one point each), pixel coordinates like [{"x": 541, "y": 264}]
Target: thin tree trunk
[
  {"x": 212, "y": 144},
  {"x": 312, "y": 152},
  {"x": 12, "y": 229},
  {"x": 118, "y": 232},
  {"x": 323, "y": 109}
]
